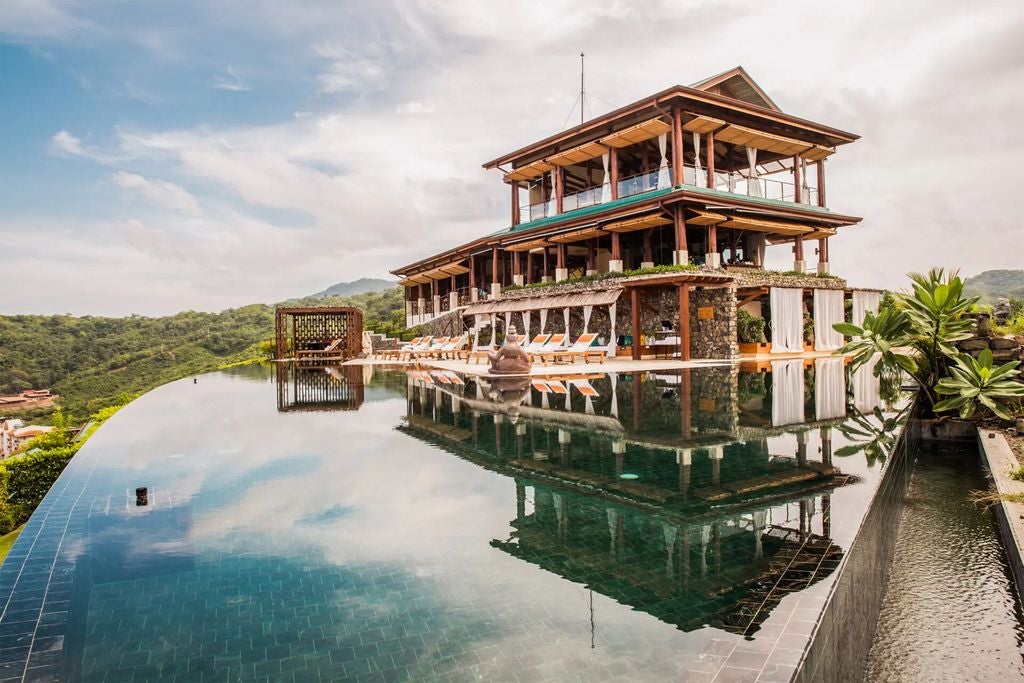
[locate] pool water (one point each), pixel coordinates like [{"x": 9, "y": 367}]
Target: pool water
[
  {"x": 950, "y": 611},
  {"x": 365, "y": 524}
]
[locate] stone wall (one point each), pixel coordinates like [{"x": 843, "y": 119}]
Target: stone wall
[
  {"x": 714, "y": 337},
  {"x": 767, "y": 278}
]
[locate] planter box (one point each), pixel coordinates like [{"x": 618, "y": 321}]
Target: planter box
[
  {"x": 947, "y": 429},
  {"x": 754, "y": 349}
]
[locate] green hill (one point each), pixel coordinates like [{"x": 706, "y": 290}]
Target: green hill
[
  {"x": 94, "y": 362},
  {"x": 364, "y": 285},
  {"x": 992, "y": 284}
]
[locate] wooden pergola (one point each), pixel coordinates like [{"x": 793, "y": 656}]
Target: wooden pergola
[{"x": 318, "y": 333}]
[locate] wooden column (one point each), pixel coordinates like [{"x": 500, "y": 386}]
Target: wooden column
[
  {"x": 613, "y": 171},
  {"x": 798, "y": 190},
  {"x": 560, "y": 255},
  {"x": 823, "y": 250},
  {"x": 634, "y": 294},
  {"x": 616, "y": 248},
  {"x": 684, "y": 400},
  {"x": 648, "y": 250},
  {"x": 680, "y": 230},
  {"x": 684, "y": 322},
  {"x": 516, "y": 269},
  {"x": 677, "y": 146},
  {"x": 529, "y": 267},
  {"x": 712, "y": 247},
  {"x": 798, "y": 248},
  {"x": 545, "y": 264},
  {"x": 559, "y": 189},
  {"x": 472, "y": 273},
  {"x": 495, "y": 264},
  {"x": 820, "y": 167},
  {"x": 710, "y": 164},
  {"x": 515, "y": 203},
  {"x": 452, "y": 286},
  {"x": 591, "y": 255}
]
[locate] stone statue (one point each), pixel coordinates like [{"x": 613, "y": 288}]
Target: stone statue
[{"x": 510, "y": 359}]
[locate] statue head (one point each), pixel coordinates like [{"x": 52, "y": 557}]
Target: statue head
[{"x": 510, "y": 336}]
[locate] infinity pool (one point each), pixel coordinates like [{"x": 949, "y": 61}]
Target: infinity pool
[{"x": 366, "y": 524}]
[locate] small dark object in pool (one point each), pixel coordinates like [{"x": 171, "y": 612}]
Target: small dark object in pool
[{"x": 141, "y": 496}]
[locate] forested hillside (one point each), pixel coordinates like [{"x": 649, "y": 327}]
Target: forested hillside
[
  {"x": 993, "y": 284},
  {"x": 94, "y": 362}
]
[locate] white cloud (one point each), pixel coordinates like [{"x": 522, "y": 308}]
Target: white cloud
[
  {"x": 37, "y": 19},
  {"x": 231, "y": 83},
  {"x": 160, "y": 192},
  {"x": 357, "y": 183}
]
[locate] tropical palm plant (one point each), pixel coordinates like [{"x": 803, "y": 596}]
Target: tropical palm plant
[
  {"x": 875, "y": 439},
  {"x": 974, "y": 383},
  {"x": 918, "y": 332}
]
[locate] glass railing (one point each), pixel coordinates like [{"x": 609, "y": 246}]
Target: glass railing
[
  {"x": 645, "y": 182},
  {"x": 725, "y": 181}
]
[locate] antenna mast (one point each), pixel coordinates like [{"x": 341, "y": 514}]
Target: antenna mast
[{"x": 582, "y": 89}]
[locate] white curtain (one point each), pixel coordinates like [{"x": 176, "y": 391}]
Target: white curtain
[
  {"x": 829, "y": 388},
  {"x": 828, "y": 310},
  {"x": 699, "y": 179},
  {"x": 753, "y": 184},
  {"x": 477, "y": 324},
  {"x": 526, "y": 326},
  {"x": 755, "y": 248},
  {"x": 669, "y": 532},
  {"x": 787, "y": 392},
  {"x": 494, "y": 330},
  {"x": 508, "y": 321},
  {"x": 606, "y": 182},
  {"x": 611, "y": 340},
  {"x": 862, "y": 303},
  {"x": 663, "y": 176},
  {"x": 543, "y": 320},
  {"x": 705, "y": 539},
  {"x": 866, "y": 387},
  {"x": 759, "y": 519},
  {"x": 805, "y": 193},
  {"x": 587, "y": 310},
  {"x": 615, "y": 395},
  {"x": 553, "y": 200},
  {"x": 787, "y": 307},
  {"x": 565, "y": 315},
  {"x": 613, "y": 527}
]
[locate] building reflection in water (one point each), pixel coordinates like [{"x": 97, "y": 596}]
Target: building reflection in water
[
  {"x": 320, "y": 388},
  {"x": 691, "y": 496}
]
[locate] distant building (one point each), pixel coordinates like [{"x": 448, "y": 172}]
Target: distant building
[{"x": 14, "y": 434}]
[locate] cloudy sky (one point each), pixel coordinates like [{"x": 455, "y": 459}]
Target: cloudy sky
[{"x": 166, "y": 156}]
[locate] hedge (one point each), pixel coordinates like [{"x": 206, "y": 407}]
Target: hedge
[{"x": 24, "y": 482}]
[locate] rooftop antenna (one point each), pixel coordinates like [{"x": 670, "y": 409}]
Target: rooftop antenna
[{"x": 582, "y": 89}]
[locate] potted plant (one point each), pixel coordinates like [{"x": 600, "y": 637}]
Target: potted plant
[{"x": 750, "y": 333}]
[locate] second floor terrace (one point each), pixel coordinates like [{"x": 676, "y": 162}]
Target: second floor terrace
[{"x": 722, "y": 135}]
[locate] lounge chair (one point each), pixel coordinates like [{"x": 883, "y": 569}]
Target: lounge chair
[
  {"x": 537, "y": 344},
  {"x": 432, "y": 350},
  {"x": 555, "y": 343},
  {"x": 582, "y": 350},
  {"x": 454, "y": 348},
  {"x": 393, "y": 354},
  {"x": 407, "y": 351}
]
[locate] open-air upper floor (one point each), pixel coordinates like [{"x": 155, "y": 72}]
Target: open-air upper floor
[{"x": 723, "y": 134}]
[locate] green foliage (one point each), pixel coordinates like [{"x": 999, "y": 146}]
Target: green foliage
[
  {"x": 1017, "y": 474},
  {"x": 973, "y": 383},
  {"x": 993, "y": 284},
  {"x": 601, "y": 277},
  {"x": 876, "y": 438},
  {"x": 917, "y": 331},
  {"x": 808, "y": 327},
  {"x": 93, "y": 362},
  {"x": 749, "y": 328}
]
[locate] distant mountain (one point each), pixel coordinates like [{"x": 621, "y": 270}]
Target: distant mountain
[
  {"x": 992, "y": 284},
  {"x": 361, "y": 286}
]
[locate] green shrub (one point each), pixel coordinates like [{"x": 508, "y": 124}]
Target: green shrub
[
  {"x": 749, "y": 328},
  {"x": 25, "y": 481}
]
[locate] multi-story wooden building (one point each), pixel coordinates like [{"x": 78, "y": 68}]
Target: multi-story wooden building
[{"x": 711, "y": 174}]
